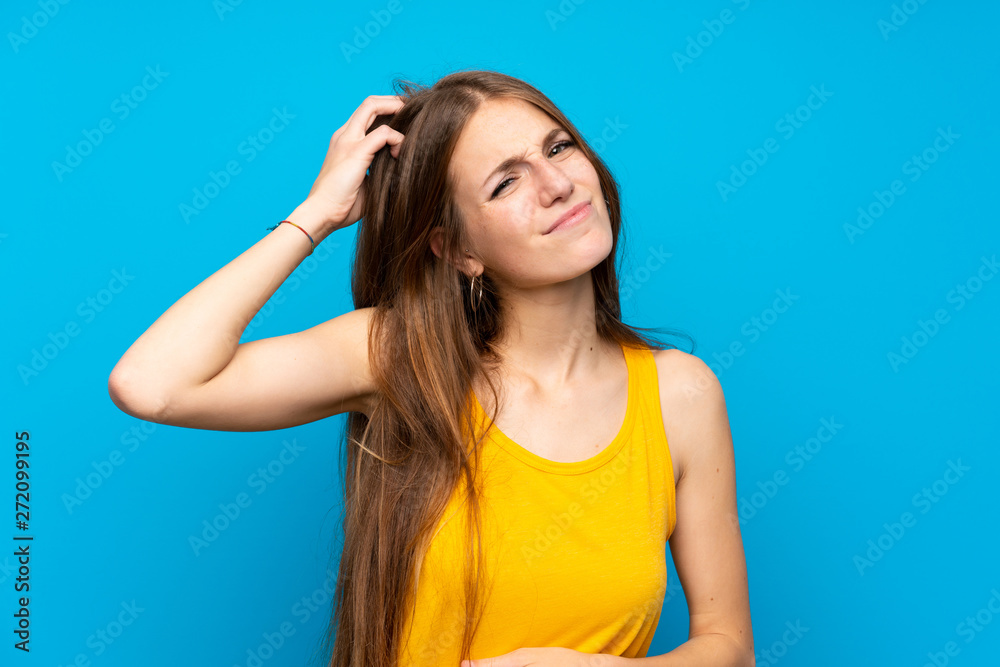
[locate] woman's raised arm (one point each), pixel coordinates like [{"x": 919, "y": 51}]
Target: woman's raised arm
[{"x": 189, "y": 369}]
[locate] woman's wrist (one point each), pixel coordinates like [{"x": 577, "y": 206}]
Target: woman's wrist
[{"x": 310, "y": 218}]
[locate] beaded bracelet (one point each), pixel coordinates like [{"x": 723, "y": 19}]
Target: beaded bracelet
[{"x": 312, "y": 243}]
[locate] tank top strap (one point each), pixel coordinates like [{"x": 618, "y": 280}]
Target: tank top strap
[
  {"x": 650, "y": 415},
  {"x": 646, "y": 382}
]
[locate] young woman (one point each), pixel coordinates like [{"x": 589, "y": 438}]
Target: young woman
[{"x": 510, "y": 489}]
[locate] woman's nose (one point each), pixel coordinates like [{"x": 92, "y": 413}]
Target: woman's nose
[{"x": 553, "y": 181}]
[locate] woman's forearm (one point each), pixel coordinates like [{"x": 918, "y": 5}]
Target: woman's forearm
[
  {"x": 198, "y": 335},
  {"x": 708, "y": 650}
]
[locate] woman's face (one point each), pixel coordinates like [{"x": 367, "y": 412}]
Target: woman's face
[{"x": 516, "y": 172}]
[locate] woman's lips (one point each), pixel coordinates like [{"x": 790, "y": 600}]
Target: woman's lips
[{"x": 572, "y": 217}]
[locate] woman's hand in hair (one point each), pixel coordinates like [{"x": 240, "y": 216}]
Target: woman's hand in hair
[
  {"x": 338, "y": 193},
  {"x": 549, "y": 657}
]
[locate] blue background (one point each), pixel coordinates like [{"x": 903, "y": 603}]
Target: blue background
[{"x": 680, "y": 127}]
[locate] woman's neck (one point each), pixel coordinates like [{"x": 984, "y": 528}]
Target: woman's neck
[{"x": 551, "y": 336}]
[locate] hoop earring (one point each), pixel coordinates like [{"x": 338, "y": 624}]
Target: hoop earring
[{"x": 474, "y": 302}]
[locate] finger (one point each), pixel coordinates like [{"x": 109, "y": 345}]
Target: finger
[
  {"x": 374, "y": 105},
  {"x": 362, "y": 110},
  {"x": 505, "y": 660},
  {"x": 382, "y": 136}
]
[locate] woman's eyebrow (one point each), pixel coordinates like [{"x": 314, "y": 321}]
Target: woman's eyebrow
[{"x": 514, "y": 159}]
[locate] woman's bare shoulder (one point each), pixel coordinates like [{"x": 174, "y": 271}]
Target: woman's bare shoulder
[{"x": 689, "y": 390}]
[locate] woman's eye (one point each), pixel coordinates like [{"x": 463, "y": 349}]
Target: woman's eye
[
  {"x": 564, "y": 144},
  {"x": 503, "y": 184}
]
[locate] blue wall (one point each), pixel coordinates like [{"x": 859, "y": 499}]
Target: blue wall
[{"x": 835, "y": 162}]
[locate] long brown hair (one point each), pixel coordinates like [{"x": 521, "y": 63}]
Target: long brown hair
[{"x": 426, "y": 344}]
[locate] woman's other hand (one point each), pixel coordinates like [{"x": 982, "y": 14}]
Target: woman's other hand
[{"x": 549, "y": 657}]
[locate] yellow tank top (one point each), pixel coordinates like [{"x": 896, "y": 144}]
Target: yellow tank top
[{"x": 575, "y": 552}]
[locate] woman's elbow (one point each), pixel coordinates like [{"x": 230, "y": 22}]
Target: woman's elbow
[{"x": 126, "y": 395}]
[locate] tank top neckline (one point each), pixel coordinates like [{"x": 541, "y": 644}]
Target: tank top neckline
[{"x": 574, "y": 467}]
